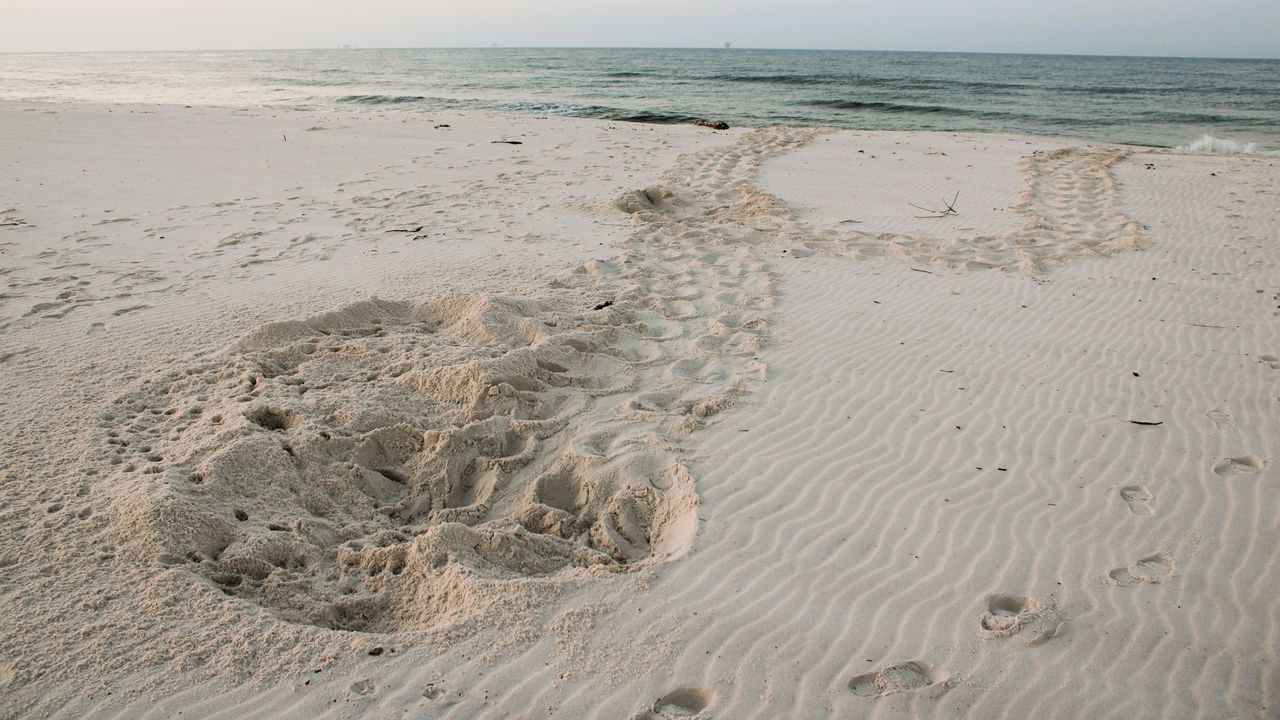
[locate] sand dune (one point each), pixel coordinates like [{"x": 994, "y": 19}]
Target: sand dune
[{"x": 748, "y": 437}]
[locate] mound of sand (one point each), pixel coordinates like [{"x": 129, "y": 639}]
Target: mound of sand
[{"x": 354, "y": 469}]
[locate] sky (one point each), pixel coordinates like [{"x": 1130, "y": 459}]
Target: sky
[{"x": 1199, "y": 28}]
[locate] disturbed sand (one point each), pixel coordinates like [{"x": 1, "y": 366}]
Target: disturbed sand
[{"x": 314, "y": 414}]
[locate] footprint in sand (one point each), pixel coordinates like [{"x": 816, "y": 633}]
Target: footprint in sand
[
  {"x": 1243, "y": 465},
  {"x": 1220, "y": 417},
  {"x": 685, "y": 702},
  {"x": 912, "y": 676},
  {"x": 1030, "y": 620},
  {"x": 362, "y": 687},
  {"x": 1153, "y": 569},
  {"x": 1138, "y": 498}
]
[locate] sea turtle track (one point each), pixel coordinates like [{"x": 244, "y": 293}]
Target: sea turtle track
[{"x": 394, "y": 466}]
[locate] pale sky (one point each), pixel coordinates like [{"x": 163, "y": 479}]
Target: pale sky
[{"x": 1217, "y": 28}]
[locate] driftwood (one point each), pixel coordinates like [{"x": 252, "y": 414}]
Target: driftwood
[
  {"x": 950, "y": 208},
  {"x": 713, "y": 124}
]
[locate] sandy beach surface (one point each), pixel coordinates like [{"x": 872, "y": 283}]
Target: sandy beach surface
[{"x": 321, "y": 414}]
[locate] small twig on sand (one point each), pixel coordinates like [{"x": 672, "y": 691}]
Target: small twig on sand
[{"x": 950, "y": 208}]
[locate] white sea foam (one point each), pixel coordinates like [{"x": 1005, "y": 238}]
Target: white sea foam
[{"x": 1225, "y": 146}]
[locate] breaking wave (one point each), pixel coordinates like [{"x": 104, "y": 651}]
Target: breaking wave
[{"x": 1223, "y": 146}]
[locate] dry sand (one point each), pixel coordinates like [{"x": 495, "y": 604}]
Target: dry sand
[{"x": 357, "y": 415}]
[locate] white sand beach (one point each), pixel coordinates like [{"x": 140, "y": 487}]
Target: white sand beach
[{"x": 325, "y": 414}]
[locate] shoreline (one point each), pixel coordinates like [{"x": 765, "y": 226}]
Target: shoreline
[
  {"x": 145, "y": 107},
  {"x": 10, "y": 104}
]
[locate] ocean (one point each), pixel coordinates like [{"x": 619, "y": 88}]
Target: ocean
[{"x": 1145, "y": 101}]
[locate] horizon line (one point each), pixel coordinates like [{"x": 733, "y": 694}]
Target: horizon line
[{"x": 713, "y": 48}]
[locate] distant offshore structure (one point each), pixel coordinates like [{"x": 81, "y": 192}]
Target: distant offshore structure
[{"x": 727, "y": 45}]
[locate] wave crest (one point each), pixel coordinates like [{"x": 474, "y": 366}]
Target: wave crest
[{"x": 1223, "y": 146}]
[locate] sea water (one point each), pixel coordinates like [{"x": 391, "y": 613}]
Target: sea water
[{"x": 1149, "y": 101}]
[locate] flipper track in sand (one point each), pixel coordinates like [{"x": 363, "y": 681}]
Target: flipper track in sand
[
  {"x": 1070, "y": 206},
  {"x": 429, "y": 466}
]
